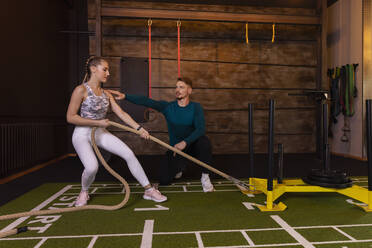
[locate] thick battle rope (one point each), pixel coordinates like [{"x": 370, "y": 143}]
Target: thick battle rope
[
  {"x": 241, "y": 185},
  {"x": 72, "y": 209}
]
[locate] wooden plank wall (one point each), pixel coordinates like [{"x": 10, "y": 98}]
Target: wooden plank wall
[{"x": 227, "y": 73}]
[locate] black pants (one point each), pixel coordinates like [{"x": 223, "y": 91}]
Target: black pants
[{"x": 201, "y": 149}]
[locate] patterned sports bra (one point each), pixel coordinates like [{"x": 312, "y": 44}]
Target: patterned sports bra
[{"x": 94, "y": 107}]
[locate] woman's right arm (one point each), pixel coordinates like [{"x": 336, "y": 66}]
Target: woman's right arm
[{"x": 73, "y": 108}]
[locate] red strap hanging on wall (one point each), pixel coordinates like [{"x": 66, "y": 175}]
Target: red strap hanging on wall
[
  {"x": 179, "y": 47},
  {"x": 149, "y": 25}
]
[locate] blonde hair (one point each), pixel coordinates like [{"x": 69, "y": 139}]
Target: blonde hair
[{"x": 91, "y": 61}]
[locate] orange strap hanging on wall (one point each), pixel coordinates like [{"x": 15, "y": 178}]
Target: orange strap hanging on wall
[
  {"x": 179, "y": 47},
  {"x": 149, "y": 22}
]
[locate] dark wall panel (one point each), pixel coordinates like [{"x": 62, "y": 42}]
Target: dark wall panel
[{"x": 38, "y": 71}]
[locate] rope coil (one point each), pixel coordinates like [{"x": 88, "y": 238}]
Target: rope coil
[
  {"x": 244, "y": 187},
  {"x": 73, "y": 209}
]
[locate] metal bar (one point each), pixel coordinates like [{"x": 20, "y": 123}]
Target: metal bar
[
  {"x": 250, "y": 140},
  {"x": 325, "y": 135},
  {"x": 327, "y": 158},
  {"x": 322, "y": 70},
  {"x": 270, "y": 146},
  {"x": 208, "y": 16},
  {"x": 280, "y": 163},
  {"x": 369, "y": 141}
]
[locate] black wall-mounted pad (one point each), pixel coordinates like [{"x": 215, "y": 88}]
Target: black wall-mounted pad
[{"x": 134, "y": 79}]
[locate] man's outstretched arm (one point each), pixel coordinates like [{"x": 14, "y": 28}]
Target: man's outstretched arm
[
  {"x": 140, "y": 100},
  {"x": 145, "y": 101}
]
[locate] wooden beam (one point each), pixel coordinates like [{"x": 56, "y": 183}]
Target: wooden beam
[
  {"x": 98, "y": 28},
  {"x": 209, "y": 16}
]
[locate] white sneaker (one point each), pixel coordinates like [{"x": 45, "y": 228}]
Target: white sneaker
[
  {"x": 206, "y": 183},
  {"x": 154, "y": 194},
  {"x": 178, "y": 175},
  {"x": 82, "y": 199}
]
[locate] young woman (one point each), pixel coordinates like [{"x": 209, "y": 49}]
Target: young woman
[{"x": 93, "y": 103}]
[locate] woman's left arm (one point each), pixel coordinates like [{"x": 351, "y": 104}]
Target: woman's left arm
[{"x": 126, "y": 117}]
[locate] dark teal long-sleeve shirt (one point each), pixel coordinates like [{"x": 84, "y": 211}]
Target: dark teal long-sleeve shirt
[{"x": 184, "y": 123}]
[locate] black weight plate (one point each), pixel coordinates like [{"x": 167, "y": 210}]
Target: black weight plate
[
  {"x": 328, "y": 185},
  {"x": 336, "y": 179}
]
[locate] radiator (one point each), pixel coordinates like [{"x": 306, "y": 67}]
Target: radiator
[{"x": 26, "y": 144}]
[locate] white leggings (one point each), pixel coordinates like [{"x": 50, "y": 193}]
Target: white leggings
[{"x": 104, "y": 139}]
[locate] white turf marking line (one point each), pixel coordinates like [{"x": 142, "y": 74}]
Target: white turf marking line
[
  {"x": 245, "y": 235},
  {"x": 148, "y": 229},
  {"x": 158, "y": 208},
  {"x": 347, "y": 225},
  {"x": 42, "y": 241},
  {"x": 304, "y": 242},
  {"x": 351, "y": 201},
  {"x": 249, "y": 205},
  {"x": 116, "y": 185},
  {"x": 193, "y": 232},
  {"x": 343, "y": 241},
  {"x": 39, "y": 207},
  {"x": 94, "y": 190},
  {"x": 163, "y": 191},
  {"x": 344, "y": 233},
  {"x": 184, "y": 188},
  {"x": 199, "y": 239},
  {"x": 92, "y": 242},
  {"x": 248, "y": 246}
]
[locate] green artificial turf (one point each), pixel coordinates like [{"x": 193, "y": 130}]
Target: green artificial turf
[{"x": 220, "y": 218}]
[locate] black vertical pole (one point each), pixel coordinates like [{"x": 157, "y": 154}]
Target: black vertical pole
[
  {"x": 280, "y": 163},
  {"x": 251, "y": 145},
  {"x": 270, "y": 146},
  {"x": 325, "y": 136},
  {"x": 327, "y": 158},
  {"x": 369, "y": 141}
]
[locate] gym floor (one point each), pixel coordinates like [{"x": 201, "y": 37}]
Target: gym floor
[{"x": 190, "y": 218}]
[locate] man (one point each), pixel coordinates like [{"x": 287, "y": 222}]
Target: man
[{"x": 186, "y": 129}]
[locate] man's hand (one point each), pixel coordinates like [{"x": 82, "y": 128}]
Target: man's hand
[
  {"x": 180, "y": 146},
  {"x": 118, "y": 94}
]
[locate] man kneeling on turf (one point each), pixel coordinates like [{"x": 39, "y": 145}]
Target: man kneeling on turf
[{"x": 186, "y": 128}]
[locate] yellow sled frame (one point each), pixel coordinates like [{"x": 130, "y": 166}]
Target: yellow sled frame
[{"x": 297, "y": 185}]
